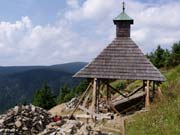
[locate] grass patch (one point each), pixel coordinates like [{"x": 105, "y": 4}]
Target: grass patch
[{"x": 164, "y": 117}]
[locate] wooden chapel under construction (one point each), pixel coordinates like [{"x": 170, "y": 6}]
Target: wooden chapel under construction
[{"x": 120, "y": 60}]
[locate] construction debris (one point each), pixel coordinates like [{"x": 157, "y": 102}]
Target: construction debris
[
  {"x": 31, "y": 120},
  {"x": 72, "y": 103},
  {"x": 70, "y": 127},
  {"x": 21, "y": 120}
]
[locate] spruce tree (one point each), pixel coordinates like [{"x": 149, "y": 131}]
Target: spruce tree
[
  {"x": 44, "y": 97},
  {"x": 159, "y": 57},
  {"x": 176, "y": 54},
  {"x": 63, "y": 94}
]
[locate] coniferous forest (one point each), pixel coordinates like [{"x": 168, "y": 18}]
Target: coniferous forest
[{"x": 164, "y": 58}]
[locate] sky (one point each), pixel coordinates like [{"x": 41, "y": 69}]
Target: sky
[{"x": 47, "y": 32}]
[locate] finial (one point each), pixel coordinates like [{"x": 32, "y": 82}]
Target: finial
[{"x": 123, "y": 6}]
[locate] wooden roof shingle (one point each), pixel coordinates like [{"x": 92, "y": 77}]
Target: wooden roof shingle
[{"x": 122, "y": 59}]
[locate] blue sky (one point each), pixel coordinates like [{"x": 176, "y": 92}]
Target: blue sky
[
  {"x": 44, "y": 32},
  {"x": 40, "y": 11}
]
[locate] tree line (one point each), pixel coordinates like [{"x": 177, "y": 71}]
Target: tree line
[
  {"x": 46, "y": 99},
  {"x": 164, "y": 58}
]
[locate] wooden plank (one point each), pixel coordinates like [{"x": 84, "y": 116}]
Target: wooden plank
[
  {"x": 87, "y": 111},
  {"x": 113, "y": 108},
  {"x": 80, "y": 100},
  {"x": 97, "y": 95},
  {"x": 129, "y": 108},
  {"x": 126, "y": 96},
  {"x": 93, "y": 114},
  {"x": 123, "y": 122},
  {"x": 93, "y": 105},
  {"x": 116, "y": 90},
  {"x": 147, "y": 102},
  {"x": 83, "y": 116},
  {"x": 135, "y": 91},
  {"x": 86, "y": 98},
  {"x": 153, "y": 90},
  {"x": 159, "y": 92},
  {"x": 128, "y": 99},
  {"x": 86, "y": 116}
]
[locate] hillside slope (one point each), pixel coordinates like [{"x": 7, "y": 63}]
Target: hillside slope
[
  {"x": 18, "y": 84},
  {"x": 164, "y": 117}
]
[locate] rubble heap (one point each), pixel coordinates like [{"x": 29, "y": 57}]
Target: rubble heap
[
  {"x": 23, "y": 120},
  {"x": 70, "y": 127},
  {"x": 72, "y": 103}
]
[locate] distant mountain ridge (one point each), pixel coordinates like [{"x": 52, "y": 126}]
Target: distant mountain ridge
[
  {"x": 19, "y": 83},
  {"x": 67, "y": 67}
]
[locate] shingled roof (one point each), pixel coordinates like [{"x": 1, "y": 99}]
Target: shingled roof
[{"x": 122, "y": 59}]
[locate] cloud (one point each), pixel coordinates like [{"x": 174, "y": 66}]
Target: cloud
[
  {"x": 10, "y": 35},
  {"x": 91, "y": 9},
  {"x": 155, "y": 23},
  {"x": 22, "y": 43},
  {"x": 84, "y": 29},
  {"x": 73, "y": 3}
]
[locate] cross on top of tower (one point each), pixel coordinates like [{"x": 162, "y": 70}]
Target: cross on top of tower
[
  {"x": 123, "y": 16},
  {"x": 123, "y": 6}
]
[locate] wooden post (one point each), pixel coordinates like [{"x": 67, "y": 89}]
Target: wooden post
[
  {"x": 93, "y": 105},
  {"x": 86, "y": 98},
  {"x": 159, "y": 92},
  {"x": 123, "y": 126},
  {"x": 81, "y": 98},
  {"x": 97, "y": 96},
  {"x": 153, "y": 90},
  {"x": 147, "y": 102}
]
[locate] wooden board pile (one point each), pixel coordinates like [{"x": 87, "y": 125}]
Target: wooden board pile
[{"x": 21, "y": 120}]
